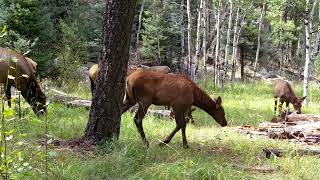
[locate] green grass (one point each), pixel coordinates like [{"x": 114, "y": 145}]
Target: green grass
[{"x": 214, "y": 153}]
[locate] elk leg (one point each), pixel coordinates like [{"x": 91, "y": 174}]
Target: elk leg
[
  {"x": 180, "y": 123},
  {"x": 128, "y": 103},
  {"x": 92, "y": 86},
  {"x": 280, "y": 106},
  {"x": 275, "y": 105},
  {"x": 287, "y": 111},
  {"x": 184, "y": 138},
  {"x": 8, "y": 95},
  {"x": 142, "y": 110}
]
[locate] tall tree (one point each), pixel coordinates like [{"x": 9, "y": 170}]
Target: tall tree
[
  {"x": 217, "y": 48},
  {"x": 205, "y": 29},
  {"x": 227, "y": 48},
  {"x": 189, "y": 38},
  {"x": 259, "y": 43},
  {"x": 307, "y": 25},
  {"x": 105, "y": 114},
  {"x": 139, "y": 27},
  {"x": 234, "y": 45},
  {"x": 181, "y": 31},
  {"x": 197, "y": 54}
]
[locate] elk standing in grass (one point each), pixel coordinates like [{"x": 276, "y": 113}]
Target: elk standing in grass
[
  {"x": 33, "y": 66},
  {"x": 283, "y": 91},
  {"x": 15, "y": 70},
  {"x": 177, "y": 91}
]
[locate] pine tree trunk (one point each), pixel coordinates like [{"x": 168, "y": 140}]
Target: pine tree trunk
[
  {"x": 307, "y": 51},
  {"x": 226, "y": 55},
  {"x": 234, "y": 47},
  {"x": 189, "y": 39},
  {"x": 105, "y": 114},
  {"x": 217, "y": 53},
  {"x": 182, "y": 33},
  {"x": 258, "y": 45},
  {"x": 197, "y": 54},
  {"x": 139, "y": 28}
]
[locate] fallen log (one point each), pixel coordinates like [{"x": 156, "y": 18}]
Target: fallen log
[
  {"x": 74, "y": 102},
  {"x": 294, "y": 117},
  {"x": 303, "y": 132},
  {"x": 279, "y": 152},
  {"x": 303, "y": 117}
]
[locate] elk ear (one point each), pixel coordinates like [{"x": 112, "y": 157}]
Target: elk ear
[
  {"x": 218, "y": 102},
  {"x": 302, "y": 99}
]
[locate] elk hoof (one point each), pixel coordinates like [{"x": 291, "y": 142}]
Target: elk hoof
[
  {"x": 162, "y": 144},
  {"x": 185, "y": 146},
  {"x": 146, "y": 143}
]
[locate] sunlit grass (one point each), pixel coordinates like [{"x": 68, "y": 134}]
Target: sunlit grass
[{"x": 214, "y": 153}]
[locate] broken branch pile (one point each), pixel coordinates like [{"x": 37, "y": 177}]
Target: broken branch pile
[{"x": 299, "y": 127}]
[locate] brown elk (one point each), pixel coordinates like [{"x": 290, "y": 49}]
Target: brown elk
[
  {"x": 16, "y": 71},
  {"x": 177, "y": 91},
  {"x": 94, "y": 70},
  {"x": 33, "y": 66},
  {"x": 283, "y": 91}
]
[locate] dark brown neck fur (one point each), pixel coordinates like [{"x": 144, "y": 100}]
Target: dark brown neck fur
[{"x": 203, "y": 101}]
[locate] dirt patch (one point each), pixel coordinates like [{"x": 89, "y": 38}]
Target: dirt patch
[{"x": 77, "y": 145}]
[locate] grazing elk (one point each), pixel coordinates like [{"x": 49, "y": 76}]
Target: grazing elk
[
  {"x": 94, "y": 70},
  {"x": 33, "y": 66},
  {"x": 16, "y": 71},
  {"x": 177, "y": 91},
  {"x": 283, "y": 91}
]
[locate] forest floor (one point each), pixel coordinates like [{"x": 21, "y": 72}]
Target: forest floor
[{"x": 214, "y": 152}]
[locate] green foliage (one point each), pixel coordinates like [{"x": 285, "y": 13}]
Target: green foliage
[{"x": 161, "y": 22}]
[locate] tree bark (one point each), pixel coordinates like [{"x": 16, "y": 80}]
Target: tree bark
[
  {"x": 258, "y": 46},
  {"x": 236, "y": 35},
  {"x": 105, "y": 114},
  {"x": 189, "y": 38},
  {"x": 216, "y": 58},
  {"x": 226, "y": 55},
  {"x": 139, "y": 27},
  {"x": 242, "y": 55},
  {"x": 307, "y": 51},
  {"x": 318, "y": 34},
  {"x": 182, "y": 32},
  {"x": 197, "y": 54},
  {"x": 205, "y": 56}
]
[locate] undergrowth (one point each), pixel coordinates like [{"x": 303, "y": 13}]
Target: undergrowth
[{"x": 214, "y": 153}]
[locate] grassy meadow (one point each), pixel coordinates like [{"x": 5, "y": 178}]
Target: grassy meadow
[{"x": 214, "y": 153}]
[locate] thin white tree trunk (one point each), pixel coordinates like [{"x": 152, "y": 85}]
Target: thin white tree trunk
[
  {"x": 318, "y": 34},
  {"x": 197, "y": 54},
  {"x": 189, "y": 39},
  {"x": 226, "y": 55},
  {"x": 234, "y": 46},
  {"x": 216, "y": 58},
  {"x": 182, "y": 28},
  {"x": 139, "y": 27},
  {"x": 204, "y": 21},
  {"x": 258, "y": 46},
  {"x": 307, "y": 25}
]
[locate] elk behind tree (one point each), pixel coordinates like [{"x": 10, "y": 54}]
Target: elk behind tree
[
  {"x": 283, "y": 91},
  {"x": 177, "y": 91}
]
